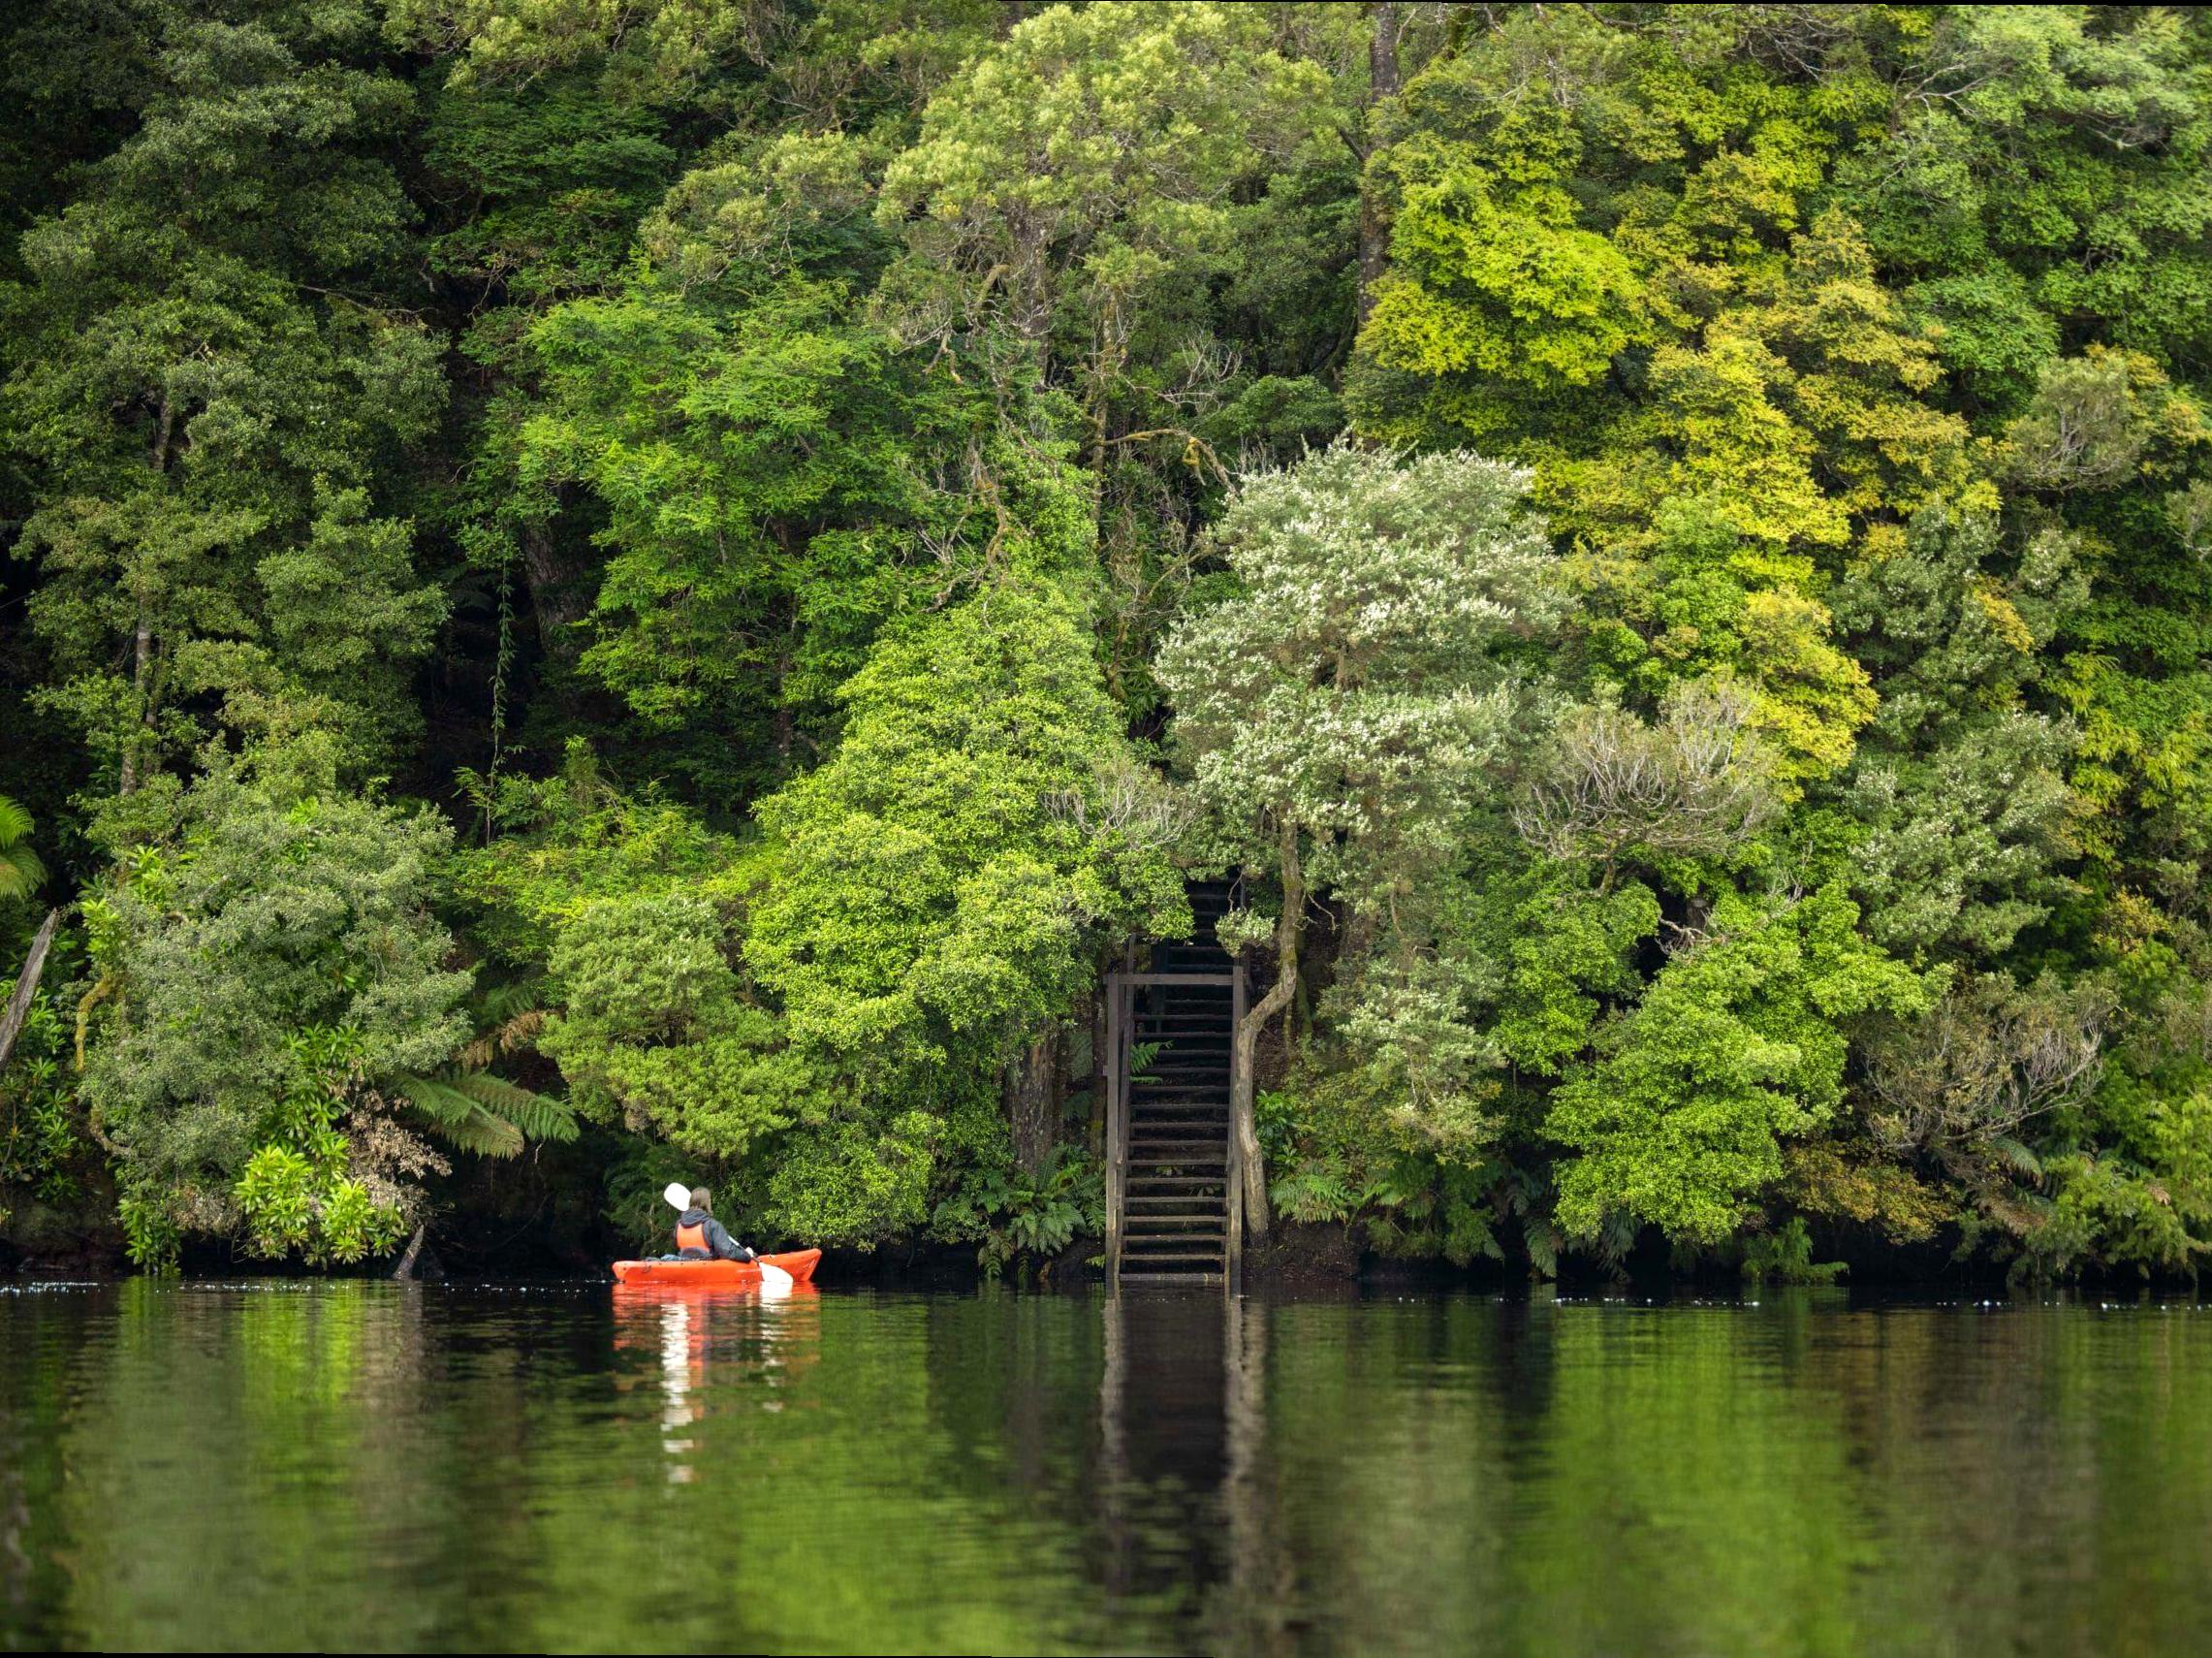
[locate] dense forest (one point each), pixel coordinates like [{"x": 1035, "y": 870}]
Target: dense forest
[{"x": 607, "y": 591}]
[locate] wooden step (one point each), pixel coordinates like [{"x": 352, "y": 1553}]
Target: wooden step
[
  {"x": 1152, "y": 1251},
  {"x": 1207, "y": 1150},
  {"x": 1151, "y": 1229},
  {"x": 1175, "y": 1180},
  {"x": 1193, "y": 1204},
  {"x": 1204, "y": 1231}
]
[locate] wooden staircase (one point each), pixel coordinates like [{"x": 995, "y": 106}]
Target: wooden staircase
[{"x": 1172, "y": 1208}]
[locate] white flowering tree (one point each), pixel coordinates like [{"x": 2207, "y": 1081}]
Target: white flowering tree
[{"x": 1343, "y": 712}]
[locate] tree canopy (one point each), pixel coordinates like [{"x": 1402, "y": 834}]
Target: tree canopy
[{"x": 690, "y": 575}]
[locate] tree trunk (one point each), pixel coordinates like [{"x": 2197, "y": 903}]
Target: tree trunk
[
  {"x": 1033, "y": 1103},
  {"x": 141, "y": 683},
  {"x": 558, "y": 598},
  {"x": 26, "y": 987},
  {"x": 1381, "y": 83},
  {"x": 142, "y": 646},
  {"x": 405, "y": 1272},
  {"x": 1094, "y": 1010},
  {"x": 1242, "y": 1122}
]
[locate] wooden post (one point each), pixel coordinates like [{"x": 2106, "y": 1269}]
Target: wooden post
[
  {"x": 405, "y": 1272},
  {"x": 1233, "y": 1279},
  {"x": 1117, "y": 1121},
  {"x": 26, "y": 986}
]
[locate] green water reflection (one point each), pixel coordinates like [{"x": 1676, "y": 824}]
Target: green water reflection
[{"x": 359, "y": 1465}]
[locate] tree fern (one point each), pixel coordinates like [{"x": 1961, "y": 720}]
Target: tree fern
[
  {"x": 459, "y": 1120},
  {"x": 468, "y": 1108},
  {"x": 21, "y": 871},
  {"x": 539, "y": 1116},
  {"x": 489, "y": 1115}
]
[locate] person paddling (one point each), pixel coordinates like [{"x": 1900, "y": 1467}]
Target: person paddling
[{"x": 698, "y": 1236}]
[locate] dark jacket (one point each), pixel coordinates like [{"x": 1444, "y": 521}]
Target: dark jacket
[{"x": 718, "y": 1240}]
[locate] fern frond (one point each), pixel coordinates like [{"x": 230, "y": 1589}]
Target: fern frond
[
  {"x": 1542, "y": 1244},
  {"x": 20, "y": 872},
  {"x": 506, "y": 1002},
  {"x": 538, "y": 1115},
  {"x": 521, "y": 1030},
  {"x": 460, "y": 1120},
  {"x": 434, "y": 1098},
  {"x": 516, "y": 1031}
]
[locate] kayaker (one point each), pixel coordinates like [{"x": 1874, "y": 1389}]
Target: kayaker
[{"x": 698, "y": 1236}]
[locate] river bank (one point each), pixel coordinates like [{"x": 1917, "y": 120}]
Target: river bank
[{"x": 45, "y": 1242}]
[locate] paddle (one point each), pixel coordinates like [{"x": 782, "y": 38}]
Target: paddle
[{"x": 773, "y": 1280}]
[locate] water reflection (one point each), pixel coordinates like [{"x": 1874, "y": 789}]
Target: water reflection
[
  {"x": 358, "y": 1465},
  {"x": 768, "y": 1340}
]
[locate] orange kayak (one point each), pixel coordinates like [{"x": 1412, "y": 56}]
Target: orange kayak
[{"x": 715, "y": 1274}]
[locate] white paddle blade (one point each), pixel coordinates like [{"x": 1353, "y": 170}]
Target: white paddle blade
[
  {"x": 773, "y": 1280},
  {"x": 679, "y": 1198}
]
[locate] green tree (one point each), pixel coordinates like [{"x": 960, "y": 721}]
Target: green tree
[
  {"x": 1344, "y": 707},
  {"x": 939, "y": 891},
  {"x": 778, "y": 476},
  {"x": 268, "y": 975},
  {"x": 1959, "y": 783},
  {"x": 212, "y": 384},
  {"x": 1736, "y": 1047}
]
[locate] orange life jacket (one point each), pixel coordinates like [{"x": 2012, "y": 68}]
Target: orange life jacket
[{"x": 692, "y": 1237}]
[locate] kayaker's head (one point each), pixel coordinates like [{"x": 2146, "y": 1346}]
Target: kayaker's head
[{"x": 702, "y": 1199}]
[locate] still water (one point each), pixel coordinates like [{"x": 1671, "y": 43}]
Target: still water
[{"x": 359, "y": 1465}]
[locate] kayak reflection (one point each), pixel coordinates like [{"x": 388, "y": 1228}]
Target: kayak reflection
[{"x": 711, "y": 1351}]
